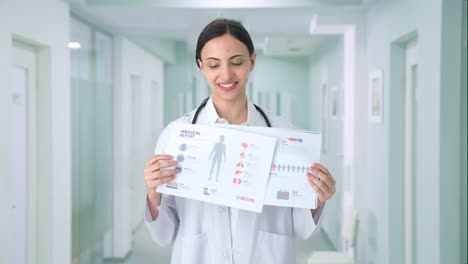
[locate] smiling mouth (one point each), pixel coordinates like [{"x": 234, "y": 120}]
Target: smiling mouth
[{"x": 227, "y": 86}]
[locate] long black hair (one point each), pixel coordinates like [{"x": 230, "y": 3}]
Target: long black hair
[{"x": 220, "y": 27}]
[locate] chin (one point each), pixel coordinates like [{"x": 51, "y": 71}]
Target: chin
[{"x": 230, "y": 96}]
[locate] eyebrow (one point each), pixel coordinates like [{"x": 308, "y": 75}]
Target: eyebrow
[{"x": 232, "y": 57}]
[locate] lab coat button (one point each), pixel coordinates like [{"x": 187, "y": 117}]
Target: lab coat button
[
  {"x": 227, "y": 256},
  {"x": 221, "y": 209}
]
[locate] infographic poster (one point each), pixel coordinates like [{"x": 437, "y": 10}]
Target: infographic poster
[
  {"x": 219, "y": 165},
  {"x": 295, "y": 153}
]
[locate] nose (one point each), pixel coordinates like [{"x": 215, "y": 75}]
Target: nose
[{"x": 227, "y": 73}]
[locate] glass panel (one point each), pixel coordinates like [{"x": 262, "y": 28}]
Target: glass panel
[
  {"x": 82, "y": 139},
  {"x": 92, "y": 126},
  {"x": 103, "y": 133}
]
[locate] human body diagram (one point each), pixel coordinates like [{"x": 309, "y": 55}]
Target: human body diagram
[{"x": 218, "y": 153}]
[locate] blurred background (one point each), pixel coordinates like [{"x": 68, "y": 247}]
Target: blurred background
[{"x": 87, "y": 86}]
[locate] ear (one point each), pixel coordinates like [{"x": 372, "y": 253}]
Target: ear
[
  {"x": 200, "y": 64},
  {"x": 253, "y": 58}
]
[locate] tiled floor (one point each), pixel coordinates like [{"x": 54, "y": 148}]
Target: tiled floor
[{"x": 145, "y": 251}]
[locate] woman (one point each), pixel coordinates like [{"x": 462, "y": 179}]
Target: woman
[{"x": 200, "y": 231}]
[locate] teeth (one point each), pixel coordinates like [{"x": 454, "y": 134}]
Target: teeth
[{"x": 227, "y": 85}]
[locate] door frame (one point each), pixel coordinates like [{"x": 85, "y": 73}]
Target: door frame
[
  {"x": 26, "y": 56},
  {"x": 410, "y": 150}
]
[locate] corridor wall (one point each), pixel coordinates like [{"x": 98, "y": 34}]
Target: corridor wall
[
  {"x": 179, "y": 80},
  {"x": 287, "y": 76},
  {"x": 92, "y": 138},
  {"x": 463, "y": 136},
  {"x": 138, "y": 118},
  {"x": 437, "y": 204},
  {"x": 326, "y": 72},
  {"x": 49, "y": 38}
]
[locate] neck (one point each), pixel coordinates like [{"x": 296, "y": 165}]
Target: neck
[{"x": 235, "y": 112}]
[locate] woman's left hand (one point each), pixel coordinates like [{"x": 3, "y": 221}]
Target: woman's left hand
[{"x": 322, "y": 182}]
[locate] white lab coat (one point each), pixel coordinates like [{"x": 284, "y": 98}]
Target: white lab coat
[{"x": 200, "y": 232}]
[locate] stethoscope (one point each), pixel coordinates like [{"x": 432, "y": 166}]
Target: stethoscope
[{"x": 203, "y": 104}]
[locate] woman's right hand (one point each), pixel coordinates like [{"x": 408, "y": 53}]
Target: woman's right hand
[{"x": 156, "y": 173}]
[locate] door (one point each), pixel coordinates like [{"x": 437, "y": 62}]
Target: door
[
  {"x": 411, "y": 76},
  {"x": 23, "y": 91},
  {"x": 137, "y": 145}
]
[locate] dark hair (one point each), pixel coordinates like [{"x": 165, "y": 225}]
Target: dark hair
[{"x": 220, "y": 27}]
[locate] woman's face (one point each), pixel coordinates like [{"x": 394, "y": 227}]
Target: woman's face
[{"x": 226, "y": 63}]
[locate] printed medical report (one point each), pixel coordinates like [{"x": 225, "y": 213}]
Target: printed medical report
[
  {"x": 219, "y": 165},
  {"x": 295, "y": 153}
]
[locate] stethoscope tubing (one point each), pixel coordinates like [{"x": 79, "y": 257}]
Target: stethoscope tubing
[{"x": 203, "y": 104}]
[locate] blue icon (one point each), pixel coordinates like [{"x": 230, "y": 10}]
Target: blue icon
[
  {"x": 180, "y": 158},
  {"x": 183, "y": 147}
]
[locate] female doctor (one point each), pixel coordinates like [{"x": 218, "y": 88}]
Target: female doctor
[{"x": 201, "y": 232}]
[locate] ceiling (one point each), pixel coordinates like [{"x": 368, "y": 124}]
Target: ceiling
[{"x": 277, "y": 27}]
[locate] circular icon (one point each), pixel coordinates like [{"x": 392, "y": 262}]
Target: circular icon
[
  {"x": 183, "y": 147},
  {"x": 242, "y": 155},
  {"x": 180, "y": 157},
  {"x": 179, "y": 168}
]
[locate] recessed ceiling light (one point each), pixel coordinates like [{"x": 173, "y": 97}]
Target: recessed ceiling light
[{"x": 74, "y": 45}]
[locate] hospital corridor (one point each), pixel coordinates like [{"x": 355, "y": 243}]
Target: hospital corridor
[{"x": 88, "y": 86}]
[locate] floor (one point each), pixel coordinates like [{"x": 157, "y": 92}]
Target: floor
[{"x": 145, "y": 251}]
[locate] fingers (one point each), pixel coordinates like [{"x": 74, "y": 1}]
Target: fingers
[
  {"x": 324, "y": 192},
  {"x": 159, "y": 174},
  {"x": 156, "y": 172},
  {"x": 157, "y": 162},
  {"x": 321, "y": 172},
  {"x": 157, "y": 158},
  {"x": 157, "y": 178},
  {"x": 322, "y": 185},
  {"x": 160, "y": 165},
  {"x": 322, "y": 182},
  {"x": 323, "y": 177},
  {"x": 319, "y": 192},
  {"x": 153, "y": 184}
]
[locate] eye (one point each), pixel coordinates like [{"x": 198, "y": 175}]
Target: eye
[
  {"x": 213, "y": 66},
  {"x": 237, "y": 63}
]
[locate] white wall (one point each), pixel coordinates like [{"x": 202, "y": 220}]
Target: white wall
[
  {"x": 315, "y": 92},
  {"x": 180, "y": 77},
  {"x": 327, "y": 68},
  {"x": 463, "y": 137},
  {"x": 165, "y": 49},
  {"x": 43, "y": 25},
  {"x": 436, "y": 192},
  {"x": 449, "y": 174},
  {"x": 129, "y": 185},
  {"x": 286, "y": 75}
]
